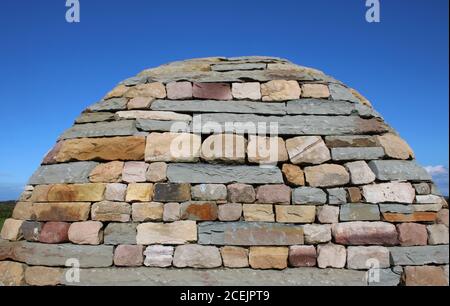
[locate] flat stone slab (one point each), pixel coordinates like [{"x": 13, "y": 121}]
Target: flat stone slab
[
  {"x": 94, "y": 117},
  {"x": 213, "y": 106},
  {"x": 287, "y": 125},
  {"x": 218, "y": 277},
  {"x": 52, "y": 255},
  {"x": 419, "y": 255},
  {"x": 249, "y": 233},
  {"x": 163, "y": 126},
  {"x": 113, "y": 104},
  {"x": 327, "y": 107},
  {"x": 391, "y": 170},
  {"x": 101, "y": 129},
  {"x": 243, "y": 66},
  {"x": 77, "y": 172},
  {"x": 368, "y": 153},
  {"x": 222, "y": 174},
  {"x": 385, "y": 277}
]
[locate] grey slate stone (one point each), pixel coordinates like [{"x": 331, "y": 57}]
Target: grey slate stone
[
  {"x": 328, "y": 107},
  {"x": 71, "y": 173},
  {"x": 391, "y": 170},
  {"x": 95, "y": 117},
  {"x": 337, "y": 196},
  {"x": 357, "y": 153},
  {"x": 114, "y": 104},
  {"x": 419, "y": 255},
  {"x": 396, "y": 208},
  {"x": 249, "y": 233},
  {"x": 101, "y": 129},
  {"x": 243, "y": 66},
  {"x": 359, "y": 212},
  {"x": 120, "y": 233},
  {"x": 213, "y": 106},
  {"x": 387, "y": 277},
  {"x": 222, "y": 174},
  {"x": 134, "y": 81},
  {"x": 308, "y": 195},
  {"x": 145, "y": 276},
  {"x": 422, "y": 188},
  {"x": 149, "y": 125},
  {"x": 40, "y": 254},
  {"x": 339, "y": 92},
  {"x": 289, "y": 125},
  {"x": 351, "y": 141}
]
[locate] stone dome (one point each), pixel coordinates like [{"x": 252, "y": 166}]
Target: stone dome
[{"x": 201, "y": 171}]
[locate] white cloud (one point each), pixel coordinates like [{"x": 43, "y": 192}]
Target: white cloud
[{"x": 436, "y": 170}]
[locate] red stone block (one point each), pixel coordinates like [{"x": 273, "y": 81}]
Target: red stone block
[
  {"x": 54, "y": 232},
  {"x": 410, "y": 234},
  {"x": 215, "y": 91},
  {"x": 302, "y": 256}
]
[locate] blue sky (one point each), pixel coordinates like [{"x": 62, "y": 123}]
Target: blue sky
[{"x": 51, "y": 70}]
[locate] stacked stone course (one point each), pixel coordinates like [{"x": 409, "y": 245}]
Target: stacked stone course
[{"x": 341, "y": 193}]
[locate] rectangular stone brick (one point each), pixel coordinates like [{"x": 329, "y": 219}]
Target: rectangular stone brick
[
  {"x": 67, "y": 211},
  {"x": 178, "y": 232},
  {"x": 169, "y": 192},
  {"x": 419, "y": 255},
  {"x": 249, "y": 233},
  {"x": 360, "y": 153},
  {"x": 295, "y": 214},
  {"x": 101, "y": 129},
  {"x": 414, "y": 217},
  {"x": 391, "y": 170},
  {"x": 69, "y": 193},
  {"x": 359, "y": 212},
  {"x": 69, "y": 173}
]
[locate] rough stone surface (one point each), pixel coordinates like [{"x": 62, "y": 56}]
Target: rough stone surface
[
  {"x": 328, "y": 214},
  {"x": 360, "y": 173},
  {"x": 214, "y": 91},
  {"x": 411, "y": 234},
  {"x": 280, "y": 90},
  {"x": 107, "y": 173},
  {"x": 12, "y": 273},
  {"x": 178, "y": 232},
  {"x": 113, "y": 104},
  {"x": 142, "y": 212},
  {"x": 351, "y": 141},
  {"x": 357, "y": 153},
  {"x": 362, "y": 258},
  {"x": 225, "y": 148},
  {"x": 69, "y": 173},
  {"x": 425, "y": 276},
  {"x": 295, "y": 214},
  {"x": 234, "y": 257},
  {"x": 134, "y": 172},
  {"x": 273, "y": 194},
  {"x": 230, "y": 212},
  {"x": 170, "y": 192},
  {"x": 359, "y": 212},
  {"x": 268, "y": 257},
  {"x": 153, "y": 115},
  {"x": 315, "y": 91},
  {"x": 171, "y": 212},
  {"x": 354, "y": 194},
  {"x": 414, "y": 217},
  {"x": 422, "y": 188},
  {"x": 249, "y": 233},
  {"x": 31, "y": 230},
  {"x": 302, "y": 256},
  {"x": 199, "y": 211},
  {"x": 437, "y": 234},
  {"x": 395, "y": 147},
  {"x": 326, "y": 175},
  {"x": 101, "y": 129},
  {"x": 94, "y": 117},
  {"x": 307, "y": 150},
  {"x": 172, "y": 147},
  {"x": 139, "y": 192},
  {"x": 258, "y": 212},
  {"x": 339, "y": 92},
  {"x": 67, "y": 211},
  {"x": 251, "y": 90},
  {"x": 115, "y": 192},
  {"x": 266, "y": 150},
  {"x": 325, "y": 107},
  {"x": 179, "y": 90},
  {"x": 196, "y": 256},
  {"x": 140, "y": 103},
  {"x": 158, "y": 256},
  {"x": 157, "y": 172},
  {"x": 331, "y": 255},
  {"x": 364, "y": 233},
  {"x": 419, "y": 255},
  {"x": 69, "y": 193},
  {"x": 154, "y": 90},
  {"x": 241, "y": 193},
  {"x": 442, "y": 217},
  {"x": 129, "y": 255},
  {"x": 209, "y": 192},
  {"x": 54, "y": 232},
  {"x": 389, "y": 192},
  {"x": 111, "y": 211},
  {"x": 388, "y": 170},
  {"x": 308, "y": 195},
  {"x": 387, "y": 277},
  {"x": 212, "y": 106},
  {"x": 293, "y": 174},
  {"x": 88, "y": 232},
  {"x": 150, "y": 125},
  {"x": 315, "y": 233},
  {"x": 337, "y": 196},
  {"x": 23, "y": 211},
  {"x": 120, "y": 233},
  {"x": 396, "y": 208},
  {"x": 43, "y": 276},
  {"x": 11, "y": 229},
  {"x": 107, "y": 149}
]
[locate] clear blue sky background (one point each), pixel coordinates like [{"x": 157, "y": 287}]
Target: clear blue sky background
[{"x": 52, "y": 70}]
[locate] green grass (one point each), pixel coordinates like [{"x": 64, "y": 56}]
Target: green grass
[{"x": 6, "y": 209}]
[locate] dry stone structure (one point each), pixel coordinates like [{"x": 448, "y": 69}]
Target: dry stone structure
[{"x": 225, "y": 171}]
